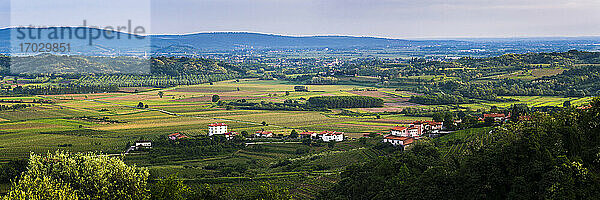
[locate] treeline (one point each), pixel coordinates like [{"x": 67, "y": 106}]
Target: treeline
[
  {"x": 439, "y": 99},
  {"x": 288, "y": 105},
  {"x": 161, "y": 81},
  {"x": 178, "y": 66},
  {"x": 345, "y": 102},
  {"x": 60, "y": 89},
  {"x": 74, "y": 64},
  {"x": 551, "y": 156}
]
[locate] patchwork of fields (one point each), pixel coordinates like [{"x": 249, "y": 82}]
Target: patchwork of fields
[
  {"x": 110, "y": 122},
  {"x": 188, "y": 109}
]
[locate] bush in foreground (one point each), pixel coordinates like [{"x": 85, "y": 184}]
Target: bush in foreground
[{"x": 63, "y": 175}]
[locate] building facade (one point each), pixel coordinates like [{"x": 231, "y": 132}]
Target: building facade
[{"x": 217, "y": 129}]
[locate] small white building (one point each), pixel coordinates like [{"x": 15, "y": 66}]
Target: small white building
[
  {"x": 328, "y": 136},
  {"x": 217, "y": 129},
  {"x": 143, "y": 144}
]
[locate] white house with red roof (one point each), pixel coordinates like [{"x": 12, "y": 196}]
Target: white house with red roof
[
  {"x": 402, "y": 135},
  {"x": 264, "y": 134},
  {"x": 411, "y": 131},
  {"x": 498, "y": 117},
  {"x": 433, "y": 125},
  {"x": 398, "y": 140},
  {"x": 400, "y": 131},
  {"x": 328, "y": 136},
  {"x": 217, "y": 129},
  {"x": 230, "y": 134},
  {"x": 307, "y": 134}
]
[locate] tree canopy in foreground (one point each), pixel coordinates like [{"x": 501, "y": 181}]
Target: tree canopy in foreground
[{"x": 71, "y": 176}]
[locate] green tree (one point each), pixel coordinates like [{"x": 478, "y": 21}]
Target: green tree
[
  {"x": 567, "y": 104},
  {"x": 140, "y": 105},
  {"x": 294, "y": 134},
  {"x": 169, "y": 187},
  {"x": 215, "y": 98},
  {"x": 86, "y": 176},
  {"x": 160, "y": 94}
]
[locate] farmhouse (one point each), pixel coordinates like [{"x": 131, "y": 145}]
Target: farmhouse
[
  {"x": 306, "y": 134},
  {"x": 411, "y": 131},
  {"x": 176, "y": 136},
  {"x": 264, "y": 134},
  {"x": 400, "y": 135},
  {"x": 398, "y": 141},
  {"x": 217, "y": 129},
  {"x": 433, "y": 125},
  {"x": 498, "y": 117},
  {"x": 143, "y": 144},
  {"x": 229, "y": 135},
  {"x": 328, "y": 136}
]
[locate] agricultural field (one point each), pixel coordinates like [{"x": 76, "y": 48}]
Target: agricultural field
[
  {"x": 70, "y": 122},
  {"x": 110, "y": 122},
  {"x": 532, "y": 101},
  {"x": 189, "y": 109}
]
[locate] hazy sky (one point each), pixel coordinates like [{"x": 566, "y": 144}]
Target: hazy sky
[{"x": 385, "y": 18}]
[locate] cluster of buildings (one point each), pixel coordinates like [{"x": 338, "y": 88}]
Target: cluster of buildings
[
  {"x": 405, "y": 135},
  {"x": 497, "y": 117},
  {"x": 220, "y": 129},
  {"x": 326, "y": 136}
]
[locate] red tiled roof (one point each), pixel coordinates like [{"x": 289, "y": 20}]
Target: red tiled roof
[
  {"x": 399, "y": 128},
  {"x": 218, "y": 124},
  {"x": 584, "y": 107},
  {"x": 393, "y": 137},
  {"x": 330, "y": 133},
  {"x": 434, "y": 123},
  {"x": 231, "y": 133},
  {"x": 178, "y": 135},
  {"x": 494, "y": 115}
]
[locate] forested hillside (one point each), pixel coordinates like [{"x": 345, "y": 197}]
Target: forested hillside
[{"x": 54, "y": 74}]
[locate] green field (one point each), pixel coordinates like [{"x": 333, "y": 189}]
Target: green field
[
  {"x": 108, "y": 122},
  {"x": 49, "y": 125}
]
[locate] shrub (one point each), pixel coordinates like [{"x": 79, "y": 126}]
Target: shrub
[{"x": 62, "y": 175}]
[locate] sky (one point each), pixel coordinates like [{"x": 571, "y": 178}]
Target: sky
[{"x": 380, "y": 18}]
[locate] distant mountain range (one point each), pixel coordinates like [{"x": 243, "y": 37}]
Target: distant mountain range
[{"x": 231, "y": 41}]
